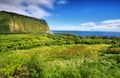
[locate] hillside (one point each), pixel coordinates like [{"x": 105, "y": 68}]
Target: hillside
[{"x": 16, "y": 23}]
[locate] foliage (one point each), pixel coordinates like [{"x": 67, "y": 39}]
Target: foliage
[
  {"x": 58, "y": 56},
  {"x": 114, "y": 50},
  {"x": 15, "y": 65}
]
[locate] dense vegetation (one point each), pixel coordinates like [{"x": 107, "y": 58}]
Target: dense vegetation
[
  {"x": 16, "y": 23},
  {"x": 59, "y": 56}
]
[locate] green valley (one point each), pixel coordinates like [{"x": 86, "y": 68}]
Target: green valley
[
  {"x": 59, "y": 38},
  {"x": 59, "y": 56}
]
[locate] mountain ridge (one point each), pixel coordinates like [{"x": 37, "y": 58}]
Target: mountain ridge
[{"x": 16, "y": 23}]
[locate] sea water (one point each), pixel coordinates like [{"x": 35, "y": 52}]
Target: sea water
[{"x": 90, "y": 33}]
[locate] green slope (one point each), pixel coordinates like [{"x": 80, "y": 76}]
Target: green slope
[{"x": 15, "y": 23}]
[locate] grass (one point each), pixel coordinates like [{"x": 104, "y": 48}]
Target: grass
[
  {"x": 51, "y": 56},
  {"x": 55, "y": 61}
]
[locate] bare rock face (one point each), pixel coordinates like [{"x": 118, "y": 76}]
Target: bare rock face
[{"x": 16, "y": 23}]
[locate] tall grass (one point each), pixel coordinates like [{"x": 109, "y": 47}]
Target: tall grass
[
  {"x": 14, "y": 65},
  {"x": 36, "y": 56}
]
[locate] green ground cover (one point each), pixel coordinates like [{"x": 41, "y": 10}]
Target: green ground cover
[{"x": 58, "y": 56}]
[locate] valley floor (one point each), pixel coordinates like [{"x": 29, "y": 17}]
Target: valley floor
[{"x": 55, "y": 61}]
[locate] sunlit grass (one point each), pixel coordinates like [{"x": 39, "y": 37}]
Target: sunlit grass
[{"x": 23, "y": 56}]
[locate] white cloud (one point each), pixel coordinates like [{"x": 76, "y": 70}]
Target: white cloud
[
  {"x": 89, "y": 24},
  {"x": 33, "y": 8},
  {"x": 111, "y": 21},
  {"x": 107, "y": 25},
  {"x": 11, "y": 9}
]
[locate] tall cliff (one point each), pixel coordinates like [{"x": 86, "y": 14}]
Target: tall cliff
[{"x": 16, "y": 23}]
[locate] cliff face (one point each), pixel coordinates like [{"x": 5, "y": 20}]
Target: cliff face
[{"x": 15, "y": 23}]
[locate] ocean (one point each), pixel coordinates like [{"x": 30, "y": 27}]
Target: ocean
[{"x": 90, "y": 33}]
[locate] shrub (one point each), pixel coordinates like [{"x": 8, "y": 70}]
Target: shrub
[
  {"x": 114, "y": 50},
  {"x": 16, "y": 66}
]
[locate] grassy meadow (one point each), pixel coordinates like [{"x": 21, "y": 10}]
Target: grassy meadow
[{"x": 59, "y": 56}]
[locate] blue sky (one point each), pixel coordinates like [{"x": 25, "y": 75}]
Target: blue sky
[
  {"x": 80, "y": 15},
  {"x": 88, "y": 12}
]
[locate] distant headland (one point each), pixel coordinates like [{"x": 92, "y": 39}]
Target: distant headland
[{"x": 16, "y": 23}]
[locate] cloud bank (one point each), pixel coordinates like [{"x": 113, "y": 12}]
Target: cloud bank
[
  {"x": 107, "y": 25},
  {"x": 33, "y": 8}
]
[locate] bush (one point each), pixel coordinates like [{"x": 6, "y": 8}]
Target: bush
[
  {"x": 14, "y": 66},
  {"x": 114, "y": 50}
]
